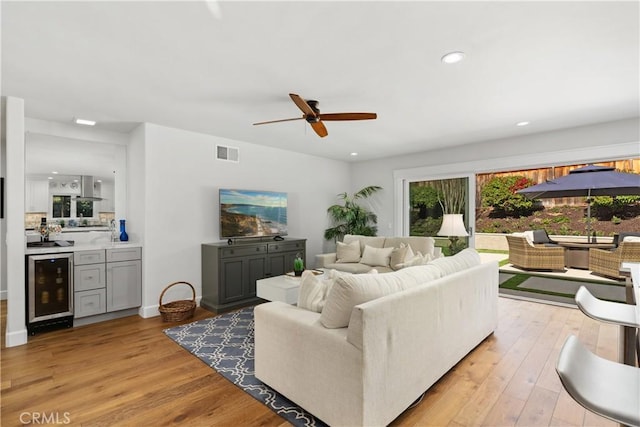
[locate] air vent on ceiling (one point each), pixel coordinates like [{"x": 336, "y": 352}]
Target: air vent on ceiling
[{"x": 229, "y": 154}]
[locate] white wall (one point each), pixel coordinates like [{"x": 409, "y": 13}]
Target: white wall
[
  {"x": 3, "y": 223},
  {"x": 16, "y": 331},
  {"x": 604, "y": 141},
  {"x": 174, "y": 200}
]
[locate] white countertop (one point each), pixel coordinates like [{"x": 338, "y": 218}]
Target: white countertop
[{"x": 82, "y": 246}]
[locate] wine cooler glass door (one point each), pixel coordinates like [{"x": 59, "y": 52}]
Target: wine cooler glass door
[{"x": 50, "y": 286}]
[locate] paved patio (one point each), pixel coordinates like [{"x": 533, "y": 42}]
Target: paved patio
[{"x": 569, "y": 273}]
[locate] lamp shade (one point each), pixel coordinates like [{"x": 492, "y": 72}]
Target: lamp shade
[{"x": 452, "y": 225}]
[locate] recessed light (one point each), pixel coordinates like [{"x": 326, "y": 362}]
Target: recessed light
[
  {"x": 522, "y": 124},
  {"x": 85, "y": 122},
  {"x": 353, "y": 154},
  {"x": 54, "y": 172},
  {"x": 452, "y": 57},
  {"x": 49, "y": 177}
]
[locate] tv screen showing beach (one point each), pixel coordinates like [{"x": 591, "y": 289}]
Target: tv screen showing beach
[{"x": 247, "y": 213}]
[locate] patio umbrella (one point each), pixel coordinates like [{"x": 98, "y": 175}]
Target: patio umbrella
[{"x": 587, "y": 182}]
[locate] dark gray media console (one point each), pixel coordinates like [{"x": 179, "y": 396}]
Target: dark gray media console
[{"x": 229, "y": 272}]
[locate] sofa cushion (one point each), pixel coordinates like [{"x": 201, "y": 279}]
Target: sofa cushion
[
  {"x": 349, "y": 291},
  {"x": 376, "y": 256},
  {"x": 373, "y": 241},
  {"x": 348, "y": 252},
  {"x": 422, "y": 244},
  {"x": 356, "y": 268},
  {"x": 464, "y": 259}
]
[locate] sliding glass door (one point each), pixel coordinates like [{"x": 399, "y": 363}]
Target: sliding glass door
[{"x": 443, "y": 208}]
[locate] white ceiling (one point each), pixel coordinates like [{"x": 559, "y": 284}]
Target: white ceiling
[{"x": 218, "y": 67}]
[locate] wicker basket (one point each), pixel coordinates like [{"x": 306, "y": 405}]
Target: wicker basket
[{"x": 176, "y": 311}]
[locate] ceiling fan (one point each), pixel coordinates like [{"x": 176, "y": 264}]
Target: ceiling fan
[{"x": 311, "y": 113}]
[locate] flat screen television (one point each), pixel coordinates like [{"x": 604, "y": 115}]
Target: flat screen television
[{"x": 249, "y": 213}]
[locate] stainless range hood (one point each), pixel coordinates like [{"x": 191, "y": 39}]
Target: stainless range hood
[{"x": 86, "y": 190}]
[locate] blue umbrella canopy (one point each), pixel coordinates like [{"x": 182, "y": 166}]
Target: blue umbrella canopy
[{"x": 586, "y": 182}]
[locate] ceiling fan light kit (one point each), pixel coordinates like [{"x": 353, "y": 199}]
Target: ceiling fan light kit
[{"x": 311, "y": 113}]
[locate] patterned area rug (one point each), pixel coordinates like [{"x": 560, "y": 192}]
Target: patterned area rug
[{"x": 225, "y": 343}]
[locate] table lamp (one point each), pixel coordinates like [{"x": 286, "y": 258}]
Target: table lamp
[{"x": 452, "y": 227}]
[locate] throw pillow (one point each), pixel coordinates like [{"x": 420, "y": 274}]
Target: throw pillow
[
  {"x": 400, "y": 256},
  {"x": 540, "y": 236},
  {"x": 376, "y": 256},
  {"x": 348, "y": 252},
  {"x": 313, "y": 291}
]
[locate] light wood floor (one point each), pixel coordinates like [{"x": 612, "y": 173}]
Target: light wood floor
[{"x": 127, "y": 372}]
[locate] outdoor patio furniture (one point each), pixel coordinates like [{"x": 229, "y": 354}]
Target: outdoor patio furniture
[
  {"x": 541, "y": 237},
  {"x": 529, "y": 257},
  {"x": 619, "y": 237},
  {"x": 607, "y": 388},
  {"x": 607, "y": 262}
]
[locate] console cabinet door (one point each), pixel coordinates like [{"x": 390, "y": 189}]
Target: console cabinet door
[
  {"x": 124, "y": 285},
  {"x": 238, "y": 277}
]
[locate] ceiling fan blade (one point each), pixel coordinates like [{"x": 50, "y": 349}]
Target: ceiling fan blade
[
  {"x": 319, "y": 128},
  {"x": 347, "y": 116},
  {"x": 302, "y": 105},
  {"x": 276, "y": 121}
]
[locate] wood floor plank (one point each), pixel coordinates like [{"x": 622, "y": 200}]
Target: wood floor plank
[
  {"x": 127, "y": 372},
  {"x": 538, "y": 409}
]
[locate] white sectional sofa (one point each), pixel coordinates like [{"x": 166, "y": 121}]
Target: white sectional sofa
[
  {"x": 359, "y": 262},
  {"x": 403, "y": 331}
]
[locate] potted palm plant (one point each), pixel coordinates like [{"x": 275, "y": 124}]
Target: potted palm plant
[{"x": 350, "y": 217}]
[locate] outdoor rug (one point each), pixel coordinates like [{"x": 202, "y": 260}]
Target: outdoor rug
[{"x": 225, "y": 343}]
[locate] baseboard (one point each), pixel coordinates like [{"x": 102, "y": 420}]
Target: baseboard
[
  {"x": 152, "y": 310},
  {"x": 17, "y": 338},
  {"x": 3, "y": 295}
]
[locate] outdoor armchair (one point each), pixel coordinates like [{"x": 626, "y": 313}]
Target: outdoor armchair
[
  {"x": 607, "y": 262},
  {"x": 524, "y": 255}
]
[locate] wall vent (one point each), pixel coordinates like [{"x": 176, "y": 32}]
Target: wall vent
[{"x": 229, "y": 154}]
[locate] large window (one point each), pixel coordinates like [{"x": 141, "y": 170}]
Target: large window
[
  {"x": 65, "y": 207},
  {"x": 61, "y": 206},
  {"x": 84, "y": 209},
  {"x": 430, "y": 201}
]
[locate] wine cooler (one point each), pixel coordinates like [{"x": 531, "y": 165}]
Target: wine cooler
[{"x": 49, "y": 292}]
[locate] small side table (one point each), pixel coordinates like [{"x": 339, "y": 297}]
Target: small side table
[{"x": 279, "y": 288}]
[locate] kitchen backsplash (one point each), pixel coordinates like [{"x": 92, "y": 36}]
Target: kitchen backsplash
[{"x": 32, "y": 219}]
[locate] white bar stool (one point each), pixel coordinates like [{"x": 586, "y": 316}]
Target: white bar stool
[
  {"x": 625, "y": 315},
  {"x": 606, "y": 311},
  {"x": 607, "y": 388}
]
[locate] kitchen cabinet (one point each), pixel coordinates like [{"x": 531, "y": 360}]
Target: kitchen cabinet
[
  {"x": 106, "y": 281},
  {"x": 124, "y": 278},
  {"x": 37, "y": 195},
  {"x": 89, "y": 283},
  {"x": 230, "y": 272}
]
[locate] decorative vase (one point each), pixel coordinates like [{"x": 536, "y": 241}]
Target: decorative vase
[{"x": 124, "y": 237}]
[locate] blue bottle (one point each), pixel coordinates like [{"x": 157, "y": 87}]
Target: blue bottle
[{"x": 124, "y": 237}]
